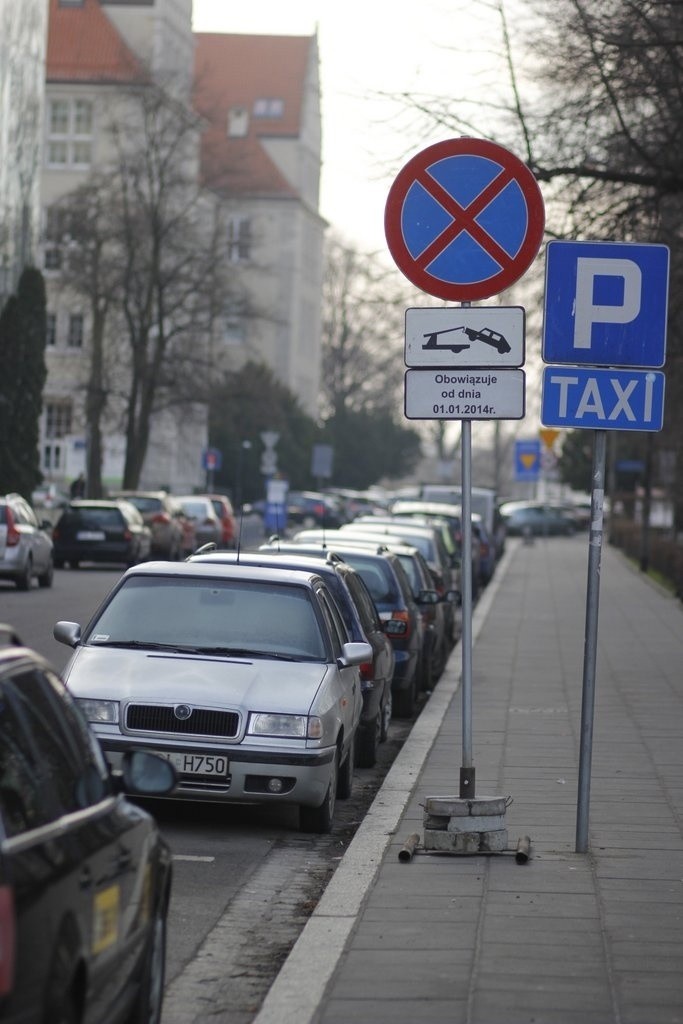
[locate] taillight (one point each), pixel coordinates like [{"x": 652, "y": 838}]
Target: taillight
[
  {"x": 367, "y": 671},
  {"x": 7, "y": 940},
  {"x": 13, "y": 535},
  {"x": 396, "y": 624},
  {"x": 127, "y": 535}
]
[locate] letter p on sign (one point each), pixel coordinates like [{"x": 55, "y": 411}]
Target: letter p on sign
[
  {"x": 605, "y": 303},
  {"x": 588, "y": 311}
]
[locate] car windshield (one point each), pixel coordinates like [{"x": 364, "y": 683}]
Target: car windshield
[{"x": 211, "y": 616}]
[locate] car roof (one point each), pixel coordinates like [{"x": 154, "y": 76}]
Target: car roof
[
  {"x": 222, "y": 570},
  {"x": 285, "y": 559},
  {"x": 432, "y": 508}
]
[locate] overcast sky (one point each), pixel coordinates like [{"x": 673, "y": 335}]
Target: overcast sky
[{"x": 368, "y": 47}]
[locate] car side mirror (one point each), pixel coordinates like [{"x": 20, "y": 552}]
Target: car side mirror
[
  {"x": 147, "y": 774},
  {"x": 68, "y": 633}
]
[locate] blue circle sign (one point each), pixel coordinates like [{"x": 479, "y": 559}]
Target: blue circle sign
[{"x": 464, "y": 219}]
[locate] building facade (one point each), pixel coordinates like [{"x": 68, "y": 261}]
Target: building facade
[
  {"x": 255, "y": 161},
  {"x": 260, "y": 158}
]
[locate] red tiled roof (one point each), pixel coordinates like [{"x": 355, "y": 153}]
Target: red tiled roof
[
  {"x": 84, "y": 46},
  {"x": 233, "y": 71}
]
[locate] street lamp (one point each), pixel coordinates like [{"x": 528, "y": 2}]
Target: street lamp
[{"x": 242, "y": 449}]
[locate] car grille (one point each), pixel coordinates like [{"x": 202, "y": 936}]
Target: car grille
[{"x": 202, "y": 721}]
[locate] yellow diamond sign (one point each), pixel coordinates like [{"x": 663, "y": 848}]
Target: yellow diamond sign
[{"x": 548, "y": 436}]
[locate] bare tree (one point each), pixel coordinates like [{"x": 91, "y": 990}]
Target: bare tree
[
  {"x": 594, "y": 104},
  {"x": 143, "y": 242}
]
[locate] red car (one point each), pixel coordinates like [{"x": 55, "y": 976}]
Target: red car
[{"x": 224, "y": 511}]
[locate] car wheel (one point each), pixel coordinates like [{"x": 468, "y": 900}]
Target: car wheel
[
  {"x": 59, "y": 563},
  {"x": 387, "y": 712},
  {"x": 369, "y": 738},
  {"x": 45, "y": 578},
  {"x": 319, "y": 819},
  {"x": 148, "y": 1003},
  {"x": 74, "y": 563},
  {"x": 23, "y": 582},
  {"x": 404, "y": 701},
  {"x": 345, "y": 776}
]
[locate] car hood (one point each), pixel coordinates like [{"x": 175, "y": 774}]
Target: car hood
[{"x": 218, "y": 682}]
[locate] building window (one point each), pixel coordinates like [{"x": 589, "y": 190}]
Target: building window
[
  {"x": 51, "y": 331},
  {"x": 238, "y": 123},
  {"x": 269, "y": 107},
  {"x": 55, "y": 230},
  {"x": 75, "y": 339},
  {"x": 239, "y": 239},
  {"x": 57, "y": 419},
  {"x": 70, "y": 129},
  {"x": 234, "y": 328}
]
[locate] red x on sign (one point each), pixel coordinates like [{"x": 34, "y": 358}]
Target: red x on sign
[{"x": 464, "y": 219}]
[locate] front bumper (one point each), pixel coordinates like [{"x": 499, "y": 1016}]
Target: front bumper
[{"x": 304, "y": 777}]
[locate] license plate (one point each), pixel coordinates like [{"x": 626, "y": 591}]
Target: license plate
[
  {"x": 90, "y": 535},
  {"x": 197, "y": 764}
]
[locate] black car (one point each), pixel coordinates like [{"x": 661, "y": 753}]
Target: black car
[
  {"x": 100, "y": 531},
  {"x": 85, "y": 876},
  {"x": 393, "y": 597},
  {"x": 362, "y": 621}
]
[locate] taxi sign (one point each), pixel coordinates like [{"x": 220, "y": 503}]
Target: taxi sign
[{"x": 464, "y": 219}]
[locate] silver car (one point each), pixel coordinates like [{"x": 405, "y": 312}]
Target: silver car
[
  {"x": 201, "y": 513},
  {"x": 25, "y": 544},
  {"x": 243, "y": 677}
]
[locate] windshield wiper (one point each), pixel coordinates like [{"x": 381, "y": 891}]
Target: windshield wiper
[
  {"x": 142, "y": 644},
  {"x": 244, "y": 652}
]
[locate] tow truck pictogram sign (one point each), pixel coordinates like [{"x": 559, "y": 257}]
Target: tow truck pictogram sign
[{"x": 465, "y": 336}]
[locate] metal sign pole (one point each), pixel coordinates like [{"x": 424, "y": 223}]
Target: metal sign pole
[
  {"x": 591, "y": 638},
  {"x": 467, "y": 772},
  {"x": 467, "y": 769}
]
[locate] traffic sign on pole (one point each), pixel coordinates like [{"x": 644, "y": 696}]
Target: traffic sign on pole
[
  {"x": 464, "y": 395},
  {"x": 465, "y": 336},
  {"x": 527, "y": 460},
  {"x": 605, "y": 303},
  {"x": 464, "y": 219},
  {"x": 601, "y": 399}
]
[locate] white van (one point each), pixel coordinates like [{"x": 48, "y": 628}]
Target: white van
[{"x": 484, "y": 502}]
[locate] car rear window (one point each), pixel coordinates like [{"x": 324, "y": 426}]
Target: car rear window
[
  {"x": 145, "y": 505},
  {"x": 267, "y": 617},
  {"x": 98, "y": 518},
  {"x": 377, "y": 576}
]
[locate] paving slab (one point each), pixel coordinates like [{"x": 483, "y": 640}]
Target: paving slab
[{"x": 566, "y": 938}]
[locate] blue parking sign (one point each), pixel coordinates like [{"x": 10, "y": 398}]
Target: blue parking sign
[
  {"x": 605, "y": 303},
  {"x": 527, "y": 460}
]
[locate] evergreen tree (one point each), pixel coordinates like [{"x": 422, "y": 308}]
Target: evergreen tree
[{"x": 22, "y": 351}]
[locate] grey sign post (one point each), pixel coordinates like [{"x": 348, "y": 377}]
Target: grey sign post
[{"x": 627, "y": 328}]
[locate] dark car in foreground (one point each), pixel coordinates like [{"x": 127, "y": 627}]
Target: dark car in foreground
[
  {"x": 364, "y": 626},
  {"x": 85, "y": 876},
  {"x": 244, "y": 677},
  {"x": 100, "y": 531}
]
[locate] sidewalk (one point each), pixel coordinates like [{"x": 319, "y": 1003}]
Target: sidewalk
[{"x": 567, "y": 938}]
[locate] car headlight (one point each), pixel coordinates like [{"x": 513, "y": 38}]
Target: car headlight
[
  {"x": 262, "y": 723},
  {"x": 99, "y": 711}
]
